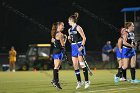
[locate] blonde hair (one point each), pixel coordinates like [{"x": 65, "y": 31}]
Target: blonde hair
[{"x": 128, "y": 24}]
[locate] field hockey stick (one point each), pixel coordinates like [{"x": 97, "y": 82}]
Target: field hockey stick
[
  {"x": 66, "y": 58},
  {"x": 87, "y": 66}
]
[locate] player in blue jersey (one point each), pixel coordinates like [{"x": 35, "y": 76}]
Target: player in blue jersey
[
  {"x": 59, "y": 47},
  {"x": 78, "y": 39},
  {"x": 119, "y": 76},
  {"x": 128, "y": 51}
]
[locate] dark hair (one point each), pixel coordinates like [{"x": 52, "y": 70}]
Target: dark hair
[
  {"x": 74, "y": 17},
  {"x": 54, "y": 28},
  {"x": 122, "y": 30},
  {"x": 128, "y": 24}
]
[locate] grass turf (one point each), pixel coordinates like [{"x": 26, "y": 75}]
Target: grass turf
[{"x": 39, "y": 82}]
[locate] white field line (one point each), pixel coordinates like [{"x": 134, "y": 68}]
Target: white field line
[
  {"x": 114, "y": 89},
  {"x": 111, "y": 90},
  {"x": 5, "y": 81}
]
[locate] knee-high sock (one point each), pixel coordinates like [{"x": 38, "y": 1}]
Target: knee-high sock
[
  {"x": 56, "y": 75},
  {"x": 77, "y": 72},
  {"x": 119, "y": 74},
  {"x": 85, "y": 72},
  {"x": 133, "y": 73},
  {"x": 124, "y": 73}
]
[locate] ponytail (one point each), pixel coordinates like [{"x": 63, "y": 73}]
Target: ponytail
[
  {"x": 74, "y": 17},
  {"x": 53, "y": 30}
]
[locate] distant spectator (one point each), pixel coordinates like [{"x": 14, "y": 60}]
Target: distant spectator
[
  {"x": 12, "y": 58},
  {"x": 107, "y": 48}
]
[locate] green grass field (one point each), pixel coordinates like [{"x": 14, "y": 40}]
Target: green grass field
[{"x": 39, "y": 82}]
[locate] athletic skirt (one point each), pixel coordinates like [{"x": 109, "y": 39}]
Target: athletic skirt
[
  {"x": 75, "y": 52},
  {"x": 128, "y": 52}
]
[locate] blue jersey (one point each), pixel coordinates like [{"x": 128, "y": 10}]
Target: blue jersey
[
  {"x": 74, "y": 34},
  {"x": 130, "y": 39},
  {"x": 76, "y": 42},
  {"x": 57, "y": 51}
]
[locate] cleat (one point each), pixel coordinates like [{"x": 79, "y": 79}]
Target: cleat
[
  {"x": 116, "y": 79},
  {"x": 56, "y": 84},
  {"x": 87, "y": 84},
  {"x": 123, "y": 79},
  {"x": 79, "y": 84},
  {"x": 135, "y": 81}
]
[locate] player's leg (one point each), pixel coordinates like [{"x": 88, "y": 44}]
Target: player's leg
[
  {"x": 85, "y": 71},
  {"x": 125, "y": 60},
  {"x": 10, "y": 64},
  {"x": 76, "y": 65},
  {"x": 57, "y": 63},
  {"x": 124, "y": 67},
  {"x": 14, "y": 66},
  {"x": 119, "y": 67},
  {"x": 77, "y": 72},
  {"x": 132, "y": 70},
  {"x": 118, "y": 76}
]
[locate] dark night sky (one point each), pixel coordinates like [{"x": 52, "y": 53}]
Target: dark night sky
[{"x": 20, "y": 32}]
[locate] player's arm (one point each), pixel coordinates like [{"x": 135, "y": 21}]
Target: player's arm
[
  {"x": 65, "y": 38},
  {"x": 120, "y": 41},
  {"x": 81, "y": 32},
  {"x": 114, "y": 49},
  {"x": 52, "y": 40},
  {"x": 69, "y": 38},
  {"x": 61, "y": 38}
]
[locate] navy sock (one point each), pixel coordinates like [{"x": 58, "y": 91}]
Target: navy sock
[
  {"x": 119, "y": 74},
  {"x": 124, "y": 73},
  {"x": 85, "y": 71},
  {"x": 55, "y": 75},
  {"x": 77, "y": 72},
  {"x": 133, "y": 73}
]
